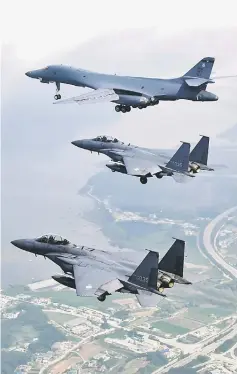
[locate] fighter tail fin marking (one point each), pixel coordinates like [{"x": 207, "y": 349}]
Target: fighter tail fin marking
[
  {"x": 173, "y": 260},
  {"x": 180, "y": 160},
  {"x": 202, "y": 69},
  {"x": 146, "y": 273},
  {"x": 199, "y": 153}
]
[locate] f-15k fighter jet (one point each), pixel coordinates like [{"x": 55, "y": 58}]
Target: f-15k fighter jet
[
  {"x": 128, "y": 91},
  {"x": 99, "y": 273},
  {"x": 144, "y": 162}
]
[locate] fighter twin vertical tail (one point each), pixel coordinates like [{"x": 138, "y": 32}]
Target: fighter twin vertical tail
[
  {"x": 145, "y": 274},
  {"x": 145, "y": 277},
  {"x": 180, "y": 161},
  {"x": 173, "y": 260},
  {"x": 199, "y": 153}
]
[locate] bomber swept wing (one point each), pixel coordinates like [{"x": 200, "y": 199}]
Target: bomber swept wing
[{"x": 93, "y": 97}]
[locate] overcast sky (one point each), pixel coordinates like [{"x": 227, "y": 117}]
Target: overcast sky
[
  {"x": 43, "y": 27},
  {"x": 41, "y": 170}
]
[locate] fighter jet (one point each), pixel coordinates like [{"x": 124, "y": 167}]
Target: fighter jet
[
  {"x": 128, "y": 91},
  {"x": 144, "y": 162},
  {"x": 94, "y": 272}
]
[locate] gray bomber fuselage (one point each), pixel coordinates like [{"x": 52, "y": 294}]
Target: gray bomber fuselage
[{"x": 128, "y": 88}]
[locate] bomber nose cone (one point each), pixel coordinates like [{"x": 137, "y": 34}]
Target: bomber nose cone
[{"x": 19, "y": 243}]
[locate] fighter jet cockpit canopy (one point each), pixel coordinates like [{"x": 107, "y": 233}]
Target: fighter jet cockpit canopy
[
  {"x": 105, "y": 139},
  {"x": 53, "y": 239}
]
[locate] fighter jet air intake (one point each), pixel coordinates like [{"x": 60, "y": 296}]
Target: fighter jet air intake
[
  {"x": 94, "y": 272},
  {"x": 127, "y": 91}
]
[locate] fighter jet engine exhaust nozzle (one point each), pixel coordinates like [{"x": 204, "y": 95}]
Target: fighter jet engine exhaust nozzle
[
  {"x": 166, "y": 281},
  {"x": 159, "y": 286},
  {"x": 194, "y": 168}
]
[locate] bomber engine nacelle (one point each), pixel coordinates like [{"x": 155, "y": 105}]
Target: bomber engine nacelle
[
  {"x": 137, "y": 101},
  {"x": 160, "y": 174},
  {"x": 194, "y": 168},
  {"x": 133, "y": 100}
]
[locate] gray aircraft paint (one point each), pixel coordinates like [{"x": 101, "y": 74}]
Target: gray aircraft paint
[
  {"x": 131, "y": 91},
  {"x": 144, "y": 162},
  {"x": 99, "y": 273}
]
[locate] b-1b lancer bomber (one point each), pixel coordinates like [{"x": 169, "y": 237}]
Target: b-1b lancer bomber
[
  {"x": 145, "y": 163},
  {"x": 100, "y": 273},
  {"x": 128, "y": 91}
]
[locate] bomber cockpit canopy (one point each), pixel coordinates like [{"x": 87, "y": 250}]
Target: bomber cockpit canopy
[
  {"x": 53, "y": 239},
  {"x": 105, "y": 139}
]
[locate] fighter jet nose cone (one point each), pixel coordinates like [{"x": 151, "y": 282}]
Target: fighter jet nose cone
[
  {"x": 28, "y": 73},
  {"x": 17, "y": 243},
  {"x": 78, "y": 143}
]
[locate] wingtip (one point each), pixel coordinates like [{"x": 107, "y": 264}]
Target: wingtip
[
  {"x": 180, "y": 240},
  {"x": 208, "y": 59}
]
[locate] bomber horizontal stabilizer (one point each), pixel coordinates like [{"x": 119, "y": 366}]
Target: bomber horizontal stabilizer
[
  {"x": 93, "y": 97},
  {"x": 196, "y": 82}
]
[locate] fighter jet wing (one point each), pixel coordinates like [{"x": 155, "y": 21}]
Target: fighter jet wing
[
  {"x": 96, "y": 96},
  {"x": 139, "y": 166},
  {"x": 92, "y": 281},
  {"x": 148, "y": 299}
]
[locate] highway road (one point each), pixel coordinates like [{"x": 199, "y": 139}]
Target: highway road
[
  {"x": 208, "y": 242},
  {"x": 203, "y": 348}
]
